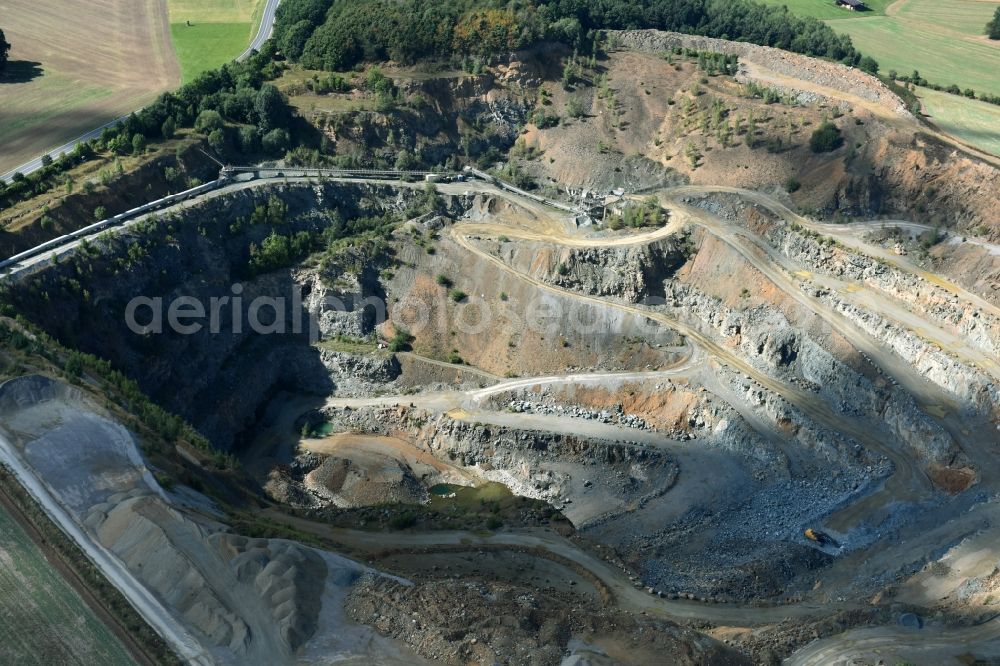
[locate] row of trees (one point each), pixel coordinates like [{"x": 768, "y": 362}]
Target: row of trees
[
  {"x": 234, "y": 106},
  {"x": 323, "y": 34},
  {"x": 916, "y": 79}
]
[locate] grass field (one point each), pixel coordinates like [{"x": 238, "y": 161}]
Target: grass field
[
  {"x": 208, "y": 33},
  {"x": 73, "y": 68},
  {"x": 942, "y": 39},
  {"x": 42, "y": 619},
  {"x": 826, "y": 9},
  {"x": 971, "y": 121}
]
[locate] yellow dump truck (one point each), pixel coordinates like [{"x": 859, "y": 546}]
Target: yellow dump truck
[{"x": 821, "y": 537}]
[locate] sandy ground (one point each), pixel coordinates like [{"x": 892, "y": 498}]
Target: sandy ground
[{"x": 423, "y": 464}]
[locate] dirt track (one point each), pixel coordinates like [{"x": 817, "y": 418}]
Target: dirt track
[{"x": 908, "y": 483}]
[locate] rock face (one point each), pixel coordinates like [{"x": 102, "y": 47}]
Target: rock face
[
  {"x": 536, "y": 464},
  {"x": 634, "y": 273},
  {"x": 443, "y": 110},
  {"x": 217, "y": 375}
]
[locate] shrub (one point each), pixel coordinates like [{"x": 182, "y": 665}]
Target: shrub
[
  {"x": 403, "y": 521},
  {"x": 208, "y": 120},
  {"x": 400, "y": 341},
  {"x": 457, "y": 295},
  {"x": 275, "y": 142},
  {"x": 826, "y": 138},
  {"x": 792, "y": 185}
]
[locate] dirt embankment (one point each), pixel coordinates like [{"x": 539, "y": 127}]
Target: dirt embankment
[
  {"x": 166, "y": 172},
  {"x": 647, "y": 121},
  {"x": 819, "y": 72},
  {"x": 463, "y": 622}
]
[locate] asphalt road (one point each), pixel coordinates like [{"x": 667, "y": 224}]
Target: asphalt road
[{"x": 266, "y": 27}]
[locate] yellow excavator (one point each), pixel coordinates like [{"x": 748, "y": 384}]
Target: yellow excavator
[{"x": 820, "y": 537}]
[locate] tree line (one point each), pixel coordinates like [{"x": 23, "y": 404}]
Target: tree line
[
  {"x": 915, "y": 79},
  {"x": 235, "y": 106},
  {"x": 241, "y": 113},
  {"x": 336, "y": 35}
]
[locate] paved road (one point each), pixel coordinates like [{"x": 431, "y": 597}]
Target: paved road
[
  {"x": 265, "y": 30},
  {"x": 266, "y": 27}
]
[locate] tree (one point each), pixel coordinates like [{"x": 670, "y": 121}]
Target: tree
[
  {"x": 208, "y": 120},
  {"x": 4, "y": 50},
  {"x": 249, "y": 139},
  {"x": 825, "y": 138},
  {"x": 868, "y": 64},
  {"x": 217, "y": 140},
  {"x": 293, "y": 42},
  {"x": 401, "y": 340},
  {"x": 138, "y": 144},
  {"x": 275, "y": 142},
  {"x": 269, "y": 107},
  {"x": 992, "y": 28},
  {"x": 168, "y": 128}
]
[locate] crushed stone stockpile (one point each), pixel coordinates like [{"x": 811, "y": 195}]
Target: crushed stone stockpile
[{"x": 244, "y": 600}]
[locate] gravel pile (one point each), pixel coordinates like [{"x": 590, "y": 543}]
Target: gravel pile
[{"x": 604, "y": 416}]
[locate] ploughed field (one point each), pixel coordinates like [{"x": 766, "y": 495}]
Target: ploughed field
[{"x": 75, "y": 66}]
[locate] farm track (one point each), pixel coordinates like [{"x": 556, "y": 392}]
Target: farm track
[{"x": 142, "y": 599}]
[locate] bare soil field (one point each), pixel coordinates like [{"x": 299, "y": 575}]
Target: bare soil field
[{"x": 76, "y": 66}]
